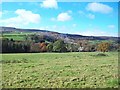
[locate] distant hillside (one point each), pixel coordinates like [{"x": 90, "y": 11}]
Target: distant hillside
[{"x": 57, "y": 34}]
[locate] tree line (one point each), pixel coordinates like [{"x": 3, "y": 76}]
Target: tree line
[
  {"x": 40, "y": 45},
  {"x": 11, "y": 46}
]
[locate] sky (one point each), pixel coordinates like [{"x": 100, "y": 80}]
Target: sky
[{"x": 84, "y": 18}]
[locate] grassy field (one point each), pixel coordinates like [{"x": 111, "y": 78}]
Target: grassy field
[
  {"x": 16, "y": 36},
  {"x": 60, "y": 70}
]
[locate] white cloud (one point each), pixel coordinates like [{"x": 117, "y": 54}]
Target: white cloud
[
  {"x": 99, "y": 7},
  {"x": 23, "y": 17},
  {"x": 111, "y": 26},
  {"x": 93, "y": 33},
  {"x": 49, "y": 4},
  {"x": 91, "y": 16},
  {"x": 96, "y": 32},
  {"x": 63, "y": 17},
  {"x": 88, "y": 15},
  {"x": 28, "y": 16}
]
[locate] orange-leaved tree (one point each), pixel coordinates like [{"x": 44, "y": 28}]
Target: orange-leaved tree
[
  {"x": 103, "y": 47},
  {"x": 43, "y": 47}
]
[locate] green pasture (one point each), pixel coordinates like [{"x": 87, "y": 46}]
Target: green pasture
[
  {"x": 60, "y": 70},
  {"x": 16, "y": 36}
]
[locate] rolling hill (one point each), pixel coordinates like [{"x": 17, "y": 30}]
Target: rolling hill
[{"x": 56, "y": 34}]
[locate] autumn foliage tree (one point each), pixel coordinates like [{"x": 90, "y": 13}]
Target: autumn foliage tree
[
  {"x": 43, "y": 47},
  {"x": 103, "y": 47},
  {"x": 38, "y": 47}
]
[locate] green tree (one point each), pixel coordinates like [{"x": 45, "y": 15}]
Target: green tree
[
  {"x": 72, "y": 47},
  {"x": 59, "y": 46},
  {"x": 50, "y": 47}
]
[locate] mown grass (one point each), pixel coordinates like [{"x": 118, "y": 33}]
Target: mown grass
[{"x": 60, "y": 70}]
